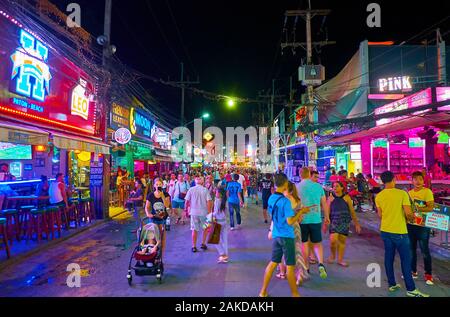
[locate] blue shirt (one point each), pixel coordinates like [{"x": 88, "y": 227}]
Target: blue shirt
[
  {"x": 234, "y": 188},
  {"x": 327, "y": 176},
  {"x": 311, "y": 193},
  {"x": 283, "y": 210}
]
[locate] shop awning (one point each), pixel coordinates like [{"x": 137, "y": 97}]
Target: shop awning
[
  {"x": 404, "y": 124},
  {"x": 21, "y": 134},
  {"x": 73, "y": 142},
  {"x": 164, "y": 156}
]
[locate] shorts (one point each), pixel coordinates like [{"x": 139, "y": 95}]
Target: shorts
[
  {"x": 265, "y": 202},
  {"x": 312, "y": 232},
  {"x": 286, "y": 247},
  {"x": 178, "y": 204},
  {"x": 251, "y": 191},
  {"x": 198, "y": 222}
]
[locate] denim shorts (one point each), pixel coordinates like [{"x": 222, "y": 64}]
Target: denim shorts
[
  {"x": 178, "y": 204},
  {"x": 286, "y": 247}
]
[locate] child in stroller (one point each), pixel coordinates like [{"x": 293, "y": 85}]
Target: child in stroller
[{"x": 148, "y": 253}]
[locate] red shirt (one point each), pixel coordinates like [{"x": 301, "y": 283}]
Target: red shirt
[
  {"x": 373, "y": 183},
  {"x": 343, "y": 180}
]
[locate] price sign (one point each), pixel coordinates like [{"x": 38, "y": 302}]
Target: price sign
[
  {"x": 437, "y": 221},
  {"x": 96, "y": 176}
]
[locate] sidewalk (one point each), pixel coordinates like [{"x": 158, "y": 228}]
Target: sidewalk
[{"x": 371, "y": 221}]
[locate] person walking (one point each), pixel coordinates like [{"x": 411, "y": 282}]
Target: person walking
[
  {"x": 155, "y": 208},
  {"x": 235, "y": 201},
  {"x": 283, "y": 235},
  {"x": 199, "y": 204},
  {"x": 341, "y": 215},
  {"x": 220, "y": 207},
  {"x": 180, "y": 190},
  {"x": 312, "y": 194},
  {"x": 267, "y": 189},
  {"x": 394, "y": 207},
  {"x": 423, "y": 199}
]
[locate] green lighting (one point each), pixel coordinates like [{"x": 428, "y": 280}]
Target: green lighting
[
  {"x": 230, "y": 103},
  {"x": 205, "y": 116}
]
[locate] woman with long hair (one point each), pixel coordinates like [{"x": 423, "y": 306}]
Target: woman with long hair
[{"x": 220, "y": 212}]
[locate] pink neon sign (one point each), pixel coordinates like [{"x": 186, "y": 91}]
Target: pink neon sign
[
  {"x": 421, "y": 98},
  {"x": 442, "y": 93}
]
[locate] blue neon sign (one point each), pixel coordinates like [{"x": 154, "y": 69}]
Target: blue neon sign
[{"x": 30, "y": 69}]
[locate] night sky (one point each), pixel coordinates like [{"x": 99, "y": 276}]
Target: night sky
[{"x": 233, "y": 45}]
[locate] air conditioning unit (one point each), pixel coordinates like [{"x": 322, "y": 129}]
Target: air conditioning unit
[{"x": 311, "y": 74}]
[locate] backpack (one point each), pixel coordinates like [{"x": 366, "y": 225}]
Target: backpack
[{"x": 274, "y": 210}]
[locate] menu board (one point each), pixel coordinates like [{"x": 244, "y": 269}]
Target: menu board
[
  {"x": 437, "y": 219},
  {"x": 96, "y": 176}
]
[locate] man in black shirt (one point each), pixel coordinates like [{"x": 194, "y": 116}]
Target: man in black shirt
[{"x": 267, "y": 188}]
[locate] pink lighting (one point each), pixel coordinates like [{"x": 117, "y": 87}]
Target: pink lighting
[
  {"x": 442, "y": 93},
  {"x": 416, "y": 100},
  {"x": 385, "y": 96}
]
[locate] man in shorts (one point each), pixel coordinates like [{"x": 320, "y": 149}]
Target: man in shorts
[
  {"x": 283, "y": 236},
  {"x": 199, "y": 201},
  {"x": 266, "y": 190},
  {"x": 312, "y": 194}
]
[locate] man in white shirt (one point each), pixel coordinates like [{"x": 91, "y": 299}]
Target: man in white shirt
[
  {"x": 241, "y": 181},
  {"x": 199, "y": 202}
]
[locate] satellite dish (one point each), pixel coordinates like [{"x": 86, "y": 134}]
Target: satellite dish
[{"x": 102, "y": 40}]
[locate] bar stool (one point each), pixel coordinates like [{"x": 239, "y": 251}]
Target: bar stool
[
  {"x": 24, "y": 217},
  {"x": 53, "y": 218},
  {"x": 12, "y": 223},
  {"x": 39, "y": 224},
  {"x": 76, "y": 212},
  {"x": 88, "y": 209},
  {"x": 3, "y": 232},
  {"x": 64, "y": 213}
]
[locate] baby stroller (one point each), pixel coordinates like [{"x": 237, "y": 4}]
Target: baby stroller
[{"x": 148, "y": 252}]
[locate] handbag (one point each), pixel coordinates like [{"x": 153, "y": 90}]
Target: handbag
[
  {"x": 214, "y": 232},
  {"x": 180, "y": 194}
]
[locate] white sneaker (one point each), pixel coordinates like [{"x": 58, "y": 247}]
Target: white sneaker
[{"x": 232, "y": 229}]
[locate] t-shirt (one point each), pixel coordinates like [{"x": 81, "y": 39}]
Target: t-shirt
[
  {"x": 234, "y": 188},
  {"x": 266, "y": 187},
  {"x": 391, "y": 202},
  {"x": 311, "y": 194},
  {"x": 228, "y": 177},
  {"x": 373, "y": 183},
  {"x": 217, "y": 213},
  {"x": 421, "y": 197},
  {"x": 198, "y": 196},
  {"x": 157, "y": 205},
  {"x": 280, "y": 209},
  {"x": 253, "y": 181},
  {"x": 327, "y": 176},
  {"x": 241, "y": 180}
]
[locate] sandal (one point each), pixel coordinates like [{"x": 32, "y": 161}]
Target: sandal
[
  {"x": 281, "y": 276},
  {"x": 204, "y": 247},
  {"x": 194, "y": 249},
  {"x": 343, "y": 264}
]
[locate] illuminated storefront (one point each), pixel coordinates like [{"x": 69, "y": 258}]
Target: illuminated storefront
[{"x": 48, "y": 114}]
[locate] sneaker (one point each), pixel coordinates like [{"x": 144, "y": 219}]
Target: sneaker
[
  {"x": 232, "y": 229},
  {"x": 416, "y": 293},
  {"x": 429, "y": 279},
  {"x": 322, "y": 271},
  {"x": 415, "y": 275},
  {"x": 394, "y": 288}
]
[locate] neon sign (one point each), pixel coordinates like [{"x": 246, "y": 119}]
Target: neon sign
[
  {"x": 395, "y": 83},
  {"x": 140, "y": 124},
  {"x": 30, "y": 69},
  {"x": 122, "y": 136},
  {"x": 416, "y": 100},
  {"x": 80, "y": 103}
]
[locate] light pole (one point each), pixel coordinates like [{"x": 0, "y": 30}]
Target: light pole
[{"x": 204, "y": 116}]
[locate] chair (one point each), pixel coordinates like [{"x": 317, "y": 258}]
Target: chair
[
  {"x": 24, "y": 217},
  {"x": 3, "y": 232},
  {"x": 12, "y": 223},
  {"x": 39, "y": 224},
  {"x": 88, "y": 209},
  {"x": 53, "y": 217}
]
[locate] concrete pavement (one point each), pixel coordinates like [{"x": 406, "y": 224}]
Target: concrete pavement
[{"x": 103, "y": 254}]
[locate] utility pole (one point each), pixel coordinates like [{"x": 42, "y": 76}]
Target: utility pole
[
  {"x": 103, "y": 201},
  {"x": 440, "y": 45},
  {"x": 307, "y": 15},
  {"x": 107, "y": 32},
  {"x": 184, "y": 84}
]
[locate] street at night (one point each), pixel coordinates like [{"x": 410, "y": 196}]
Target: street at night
[
  {"x": 247, "y": 152},
  {"x": 103, "y": 254}
]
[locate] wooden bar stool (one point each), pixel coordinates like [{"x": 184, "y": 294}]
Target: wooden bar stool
[
  {"x": 24, "y": 218},
  {"x": 88, "y": 209},
  {"x": 39, "y": 224},
  {"x": 3, "y": 232},
  {"x": 12, "y": 223},
  {"x": 76, "y": 212}
]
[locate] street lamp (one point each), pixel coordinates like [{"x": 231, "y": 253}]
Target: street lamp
[
  {"x": 206, "y": 115},
  {"x": 231, "y": 103}
]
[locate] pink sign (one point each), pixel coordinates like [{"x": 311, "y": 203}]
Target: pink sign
[
  {"x": 442, "y": 93},
  {"x": 419, "y": 99}
]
